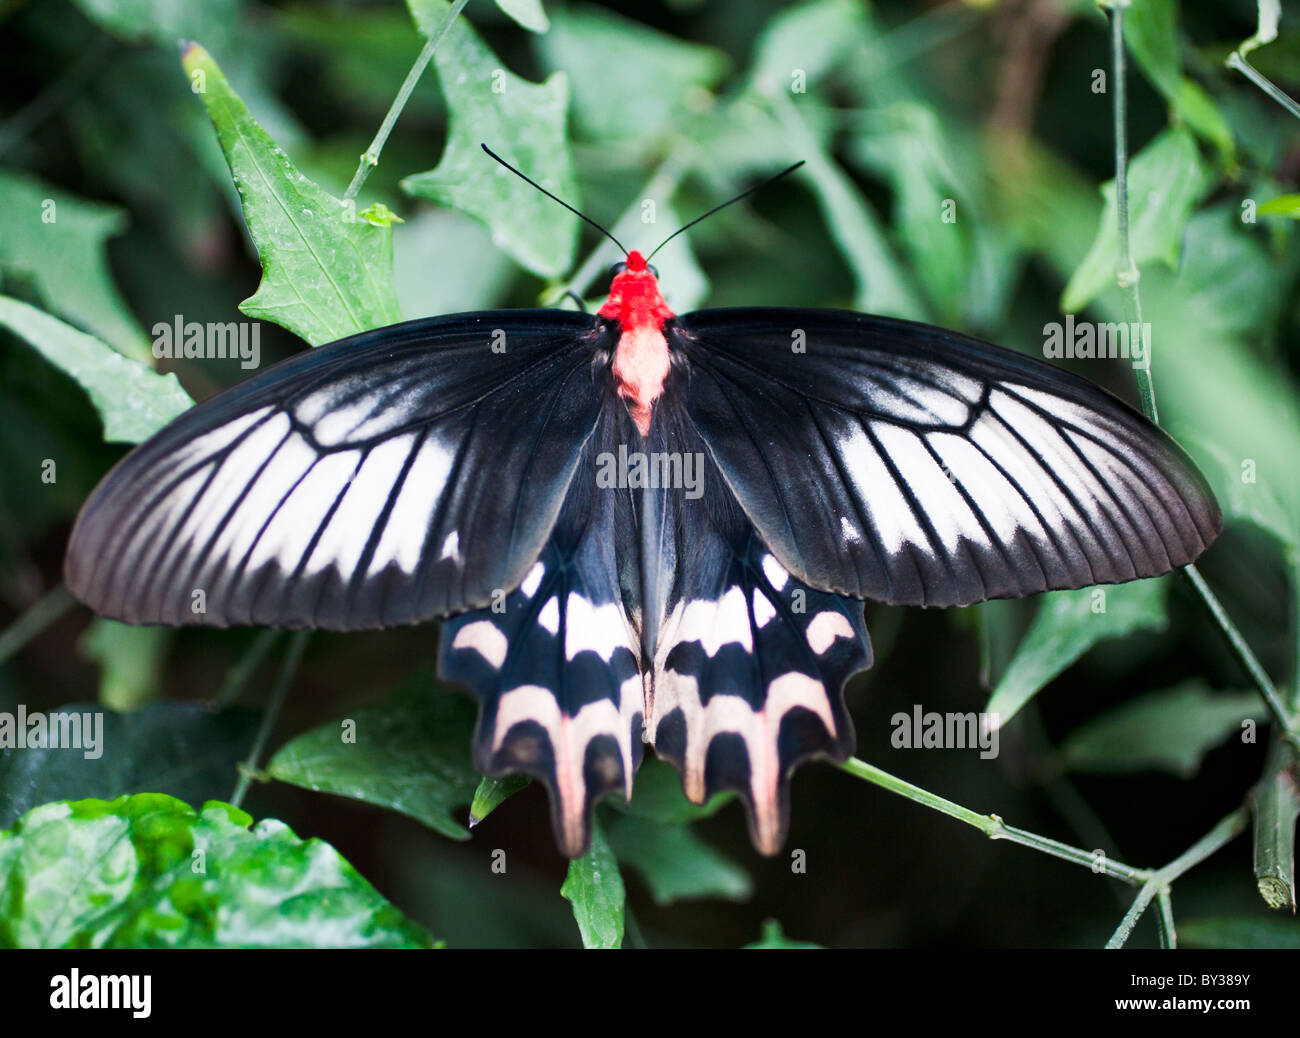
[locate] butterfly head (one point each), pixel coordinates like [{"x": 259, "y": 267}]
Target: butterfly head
[{"x": 634, "y": 297}]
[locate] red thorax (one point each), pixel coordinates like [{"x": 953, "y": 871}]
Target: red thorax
[{"x": 641, "y": 359}]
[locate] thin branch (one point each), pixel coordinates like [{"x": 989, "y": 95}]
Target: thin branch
[
  {"x": 1238, "y": 62},
  {"x": 239, "y": 674},
  {"x": 993, "y": 827},
  {"x": 370, "y": 158},
  {"x": 248, "y": 769},
  {"x": 36, "y": 618},
  {"x": 1158, "y": 883},
  {"x": 1126, "y": 277}
]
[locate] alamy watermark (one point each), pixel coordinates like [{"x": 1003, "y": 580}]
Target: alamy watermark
[
  {"x": 1094, "y": 340},
  {"x": 639, "y": 470},
  {"x": 930, "y": 730},
  {"x": 61, "y": 730},
  {"x": 194, "y": 340}
]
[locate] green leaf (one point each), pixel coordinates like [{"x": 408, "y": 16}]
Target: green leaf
[
  {"x": 881, "y": 285},
  {"x": 133, "y": 400},
  {"x": 130, "y": 661},
  {"x": 492, "y": 793},
  {"x": 657, "y": 797},
  {"x": 476, "y": 281},
  {"x": 149, "y": 871},
  {"x": 524, "y": 123},
  {"x": 595, "y": 889},
  {"x": 528, "y": 13},
  {"x": 58, "y": 242},
  {"x": 410, "y": 754},
  {"x": 1199, "y": 111},
  {"x": 1067, "y": 625},
  {"x": 934, "y": 217},
  {"x": 1166, "y": 179},
  {"x": 326, "y": 273},
  {"x": 774, "y": 938},
  {"x": 183, "y": 749},
  {"x": 1151, "y": 32},
  {"x": 631, "y": 84},
  {"x": 675, "y": 863},
  {"x": 1282, "y": 205},
  {"x": 808, "y": 40},
  {"x": 1240, "y": 932},
  {"x": 1170, "y": 730},
  {"x": 164, "y": 21}
]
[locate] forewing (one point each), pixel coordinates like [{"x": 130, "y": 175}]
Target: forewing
[
  {"x": 900, "y": 462},
  {"x": 391, "y": 477}
]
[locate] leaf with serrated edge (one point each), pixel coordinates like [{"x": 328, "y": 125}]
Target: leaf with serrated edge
[
  {"x": 523, "y": 122},
  {"x": 326, "y": 272}
]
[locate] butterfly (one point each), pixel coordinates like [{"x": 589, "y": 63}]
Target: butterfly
[{"x": 639, "y": 528}]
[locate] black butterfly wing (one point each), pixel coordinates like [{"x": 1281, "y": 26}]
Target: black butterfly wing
[
  {"x": 556, "y": 664},
  {"x": 394, "y": 476},
  {"x": 746, "y": 664},
  {"x": 896, "y": 461}
]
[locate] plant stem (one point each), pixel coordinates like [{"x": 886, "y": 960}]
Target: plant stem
[
  {"x": 62, "y": 90},
  {"x": 1165, "y": 920},
  {"x": 38, "y": 616},
  {"x": 248, "y": 769},
  {"x": 1236, "y": 61},
  {"x": 1275, "y": 802},
  {"x": 993, "y": 827},
  {"x": 1227, "y": 830},
  {"x": 238, "y": 675},
  {"x": 1284, "y": 716},
  {"x": 1126, "y": 277},
  {"x": 370, "y": 158}
]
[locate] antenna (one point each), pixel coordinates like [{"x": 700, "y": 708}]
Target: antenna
[
  {"x": 743, "y": 194},
  {"x": 552, "y": 197}
]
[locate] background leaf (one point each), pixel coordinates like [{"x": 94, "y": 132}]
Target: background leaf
[
  {"x": 630, "y": 83},
  {"x": 410, "y": 754},
  {"x": 1166, "y": 180},
  {"x": 1065, "y": 627},
  {"x": 130, "y": 661},
  {"x": 1169, "y": 730},
  {"x": 148, "y": 871},
  {"x": 58, "y": 242},
  {"x": 524, "y": 123},
  {"x": 183, "y": 749},
  {"x": 675, "y": 863},
  {"x": 595, "y": 889},
  {"x": 326, "y": 273},
  {"x": 528, "y": 13},
  {"x": 133, "y": 401}
]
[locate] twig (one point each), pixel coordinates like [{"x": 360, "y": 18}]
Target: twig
[
  {"x": 1157, "y": 885},
  {"x": 38, "y": 616},
  {"x": 1238, "y": 62},
  {"x": 993, "y": 827},
  {"x": 62, "y": 90},
  {"x": 370, "y": 158},
  {"x": 238, "y": 675},
  {"x": 1126, "y": 276},
  {"x": 248, "y": 769}
]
